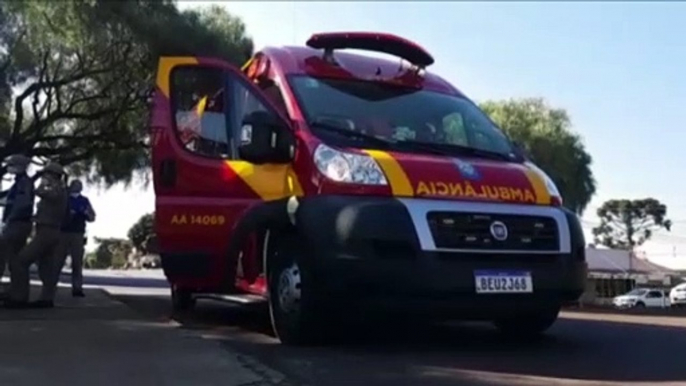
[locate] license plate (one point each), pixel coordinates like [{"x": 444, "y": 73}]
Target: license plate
[{"x": 503, "y": 282}]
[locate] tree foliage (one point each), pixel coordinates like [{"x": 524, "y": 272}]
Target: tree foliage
[
  {"x": 142, "y": 231},
  {"x": 75, "y": 76},
  {"x": 545, "y": 133},
  {"x": 625, "y": 224},
  {"x": 111, "y": 253}
]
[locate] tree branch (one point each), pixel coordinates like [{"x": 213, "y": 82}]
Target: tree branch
[{"x": 37, "y": 86}]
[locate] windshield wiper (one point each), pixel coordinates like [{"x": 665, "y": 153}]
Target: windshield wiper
[
  {"x": 389, "y": 144},
  {"x": 487, "y": 154},
  {"x": 351, "y": 134},
  {"x": 447, "y": 150},
  {"x": 473, "y": 151},
  {"x": 424, "y": 147}
]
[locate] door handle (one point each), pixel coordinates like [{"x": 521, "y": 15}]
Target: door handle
[{"x": 168, "y": 172}]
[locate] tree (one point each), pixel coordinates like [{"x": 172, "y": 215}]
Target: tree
[
  {"x": 142, "y": 231},
  {"x": 75, "y": 76},
  {"x": 111, "y": 253},
  {"x": 545, "y": 133},
  {"x": 625, "y": 224}
]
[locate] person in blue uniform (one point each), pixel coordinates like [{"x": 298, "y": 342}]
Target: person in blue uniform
[{"x": 73, "y": 236}]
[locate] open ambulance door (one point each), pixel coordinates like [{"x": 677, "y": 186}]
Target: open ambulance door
[{"x": 218, "y": 147}]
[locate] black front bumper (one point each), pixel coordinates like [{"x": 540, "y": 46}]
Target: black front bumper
[{"x": 366, "y": 250}]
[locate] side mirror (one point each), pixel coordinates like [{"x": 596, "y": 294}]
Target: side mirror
[{"x": 265, "y": 139}]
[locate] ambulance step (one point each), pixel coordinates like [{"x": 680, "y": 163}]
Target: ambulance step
[{"x": 233, "y": 298}]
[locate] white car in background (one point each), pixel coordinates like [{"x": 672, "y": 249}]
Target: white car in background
[
  {"x": 677, "y": 296},
  {"x": 642, "y": 298}
]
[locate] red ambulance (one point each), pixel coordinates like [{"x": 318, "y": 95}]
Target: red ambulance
[{"x": 330, "y": 182}]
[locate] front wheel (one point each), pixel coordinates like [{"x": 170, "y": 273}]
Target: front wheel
[
  {"x": 296, "y": 312},
  {"x": 182, "y": 299},
  {"x": 528, "y": 325}
]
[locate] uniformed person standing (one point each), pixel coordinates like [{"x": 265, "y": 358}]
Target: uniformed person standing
[
  {"x": 48, "y": 220},
  {"x": 18, "y": 211},
  {"x": 73, "y": 238}
]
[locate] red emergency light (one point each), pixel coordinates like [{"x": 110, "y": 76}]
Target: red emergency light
[{"x": 369, "y": 41}]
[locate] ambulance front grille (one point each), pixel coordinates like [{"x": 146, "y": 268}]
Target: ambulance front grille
[{"x": 473, "y": 231}]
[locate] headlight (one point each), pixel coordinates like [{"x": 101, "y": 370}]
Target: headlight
[{"x": 348, "y": 167}]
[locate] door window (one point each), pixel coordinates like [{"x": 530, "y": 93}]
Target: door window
[
  {"x": 654, "y": 294},
  {"x": 209, "y": 108},
  {"x": 246, "y": 103},
  {"x": 198, "y": 102}
]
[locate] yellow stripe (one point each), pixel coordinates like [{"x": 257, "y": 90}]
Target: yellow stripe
[
  {"x": 247, "y": 63},
  {"x": 537, "y": 182},
  {"x": 201, "y": 106},
  {"x": 400, "y": 184},
  {"x": 270, "y": 182},
  {"x": 165, "y": 66}
]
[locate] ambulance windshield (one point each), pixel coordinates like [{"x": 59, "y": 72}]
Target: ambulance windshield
[{"x": 399, "y": 114}]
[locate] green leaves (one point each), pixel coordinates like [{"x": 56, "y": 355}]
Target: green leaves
[
  {"x": 545, "y": 133},
  {"x": 141, "y": 232},
  {"x": 628, "y": 223},
  {"x": 111, "y": 253},
  {"x": 75, "y": 76}
]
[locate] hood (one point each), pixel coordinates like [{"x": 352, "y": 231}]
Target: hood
[{"x": 472, "y": 179}]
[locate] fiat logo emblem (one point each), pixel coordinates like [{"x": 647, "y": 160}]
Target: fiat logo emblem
[{"x": 499, "y": 231}]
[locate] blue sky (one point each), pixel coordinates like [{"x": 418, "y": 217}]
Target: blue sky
[{"x": 618, "y": 69}]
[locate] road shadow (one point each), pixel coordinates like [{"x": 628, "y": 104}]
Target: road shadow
[{"x": 403, "y": 352}]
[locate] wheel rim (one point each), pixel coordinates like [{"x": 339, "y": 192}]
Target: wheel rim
[{"x": 289, "y": 289}]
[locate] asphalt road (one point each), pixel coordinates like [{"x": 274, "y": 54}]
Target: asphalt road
[{"x": 581, "y": 349}]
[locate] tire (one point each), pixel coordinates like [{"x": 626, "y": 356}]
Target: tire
[
  {"x": 528, "y": 325},
  {"x": 297, "y": 314},
  {"x": 182, "y": 299},
  {"x": 640, "y": 305}
]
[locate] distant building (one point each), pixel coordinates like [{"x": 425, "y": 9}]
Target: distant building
[{"x": 612, "y": 272}]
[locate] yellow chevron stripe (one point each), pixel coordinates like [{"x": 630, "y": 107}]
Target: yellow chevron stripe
[
  {"x": 537, "y": 182},
  {"x": 400, "y": 184},
  {"x": 270, "y": 182}
]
